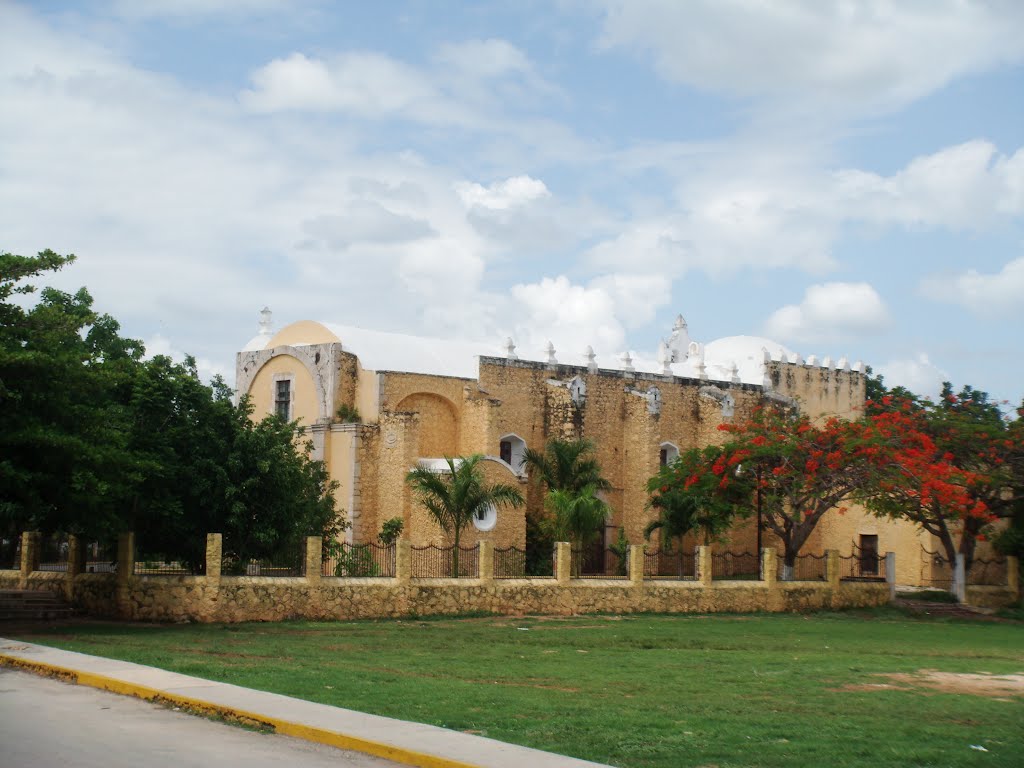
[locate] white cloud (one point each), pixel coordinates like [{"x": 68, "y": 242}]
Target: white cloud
[
  {"x": 985, "y": 294},
  {"x": 365, "y": 83},
  {"x": 918, "y": 374},
  {"x": 959, "y": 187},
  {"x": 463, "y": 86},
  {"x": 848, "y": 56},
  {"x": 367, "y": 222},
  {"x": 570, "y": 316},
  {"x": 501, "y": 195},
  {"x": 830, "y": 311}
]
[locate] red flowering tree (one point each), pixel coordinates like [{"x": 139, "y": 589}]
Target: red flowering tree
[
  {"x": 802, "y": 470},
  {"x": 952, "y": 467},
  {"x": 697, "y": 493},
  {"x": 799, "y": 469}
]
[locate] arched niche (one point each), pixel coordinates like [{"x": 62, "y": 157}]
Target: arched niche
[
  {"x": 668, "y": 453},
  {"x": 511, "y": 450},
  {"x": 439, "y": 423}
]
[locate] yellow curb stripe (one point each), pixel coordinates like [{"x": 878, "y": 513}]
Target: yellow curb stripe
[{"x": 285, "y": 727}]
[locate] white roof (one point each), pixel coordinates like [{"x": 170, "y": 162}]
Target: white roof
[
  {"x": 384, "y": 351},
  {"x": 381, "y": 351},
  {"x": 746, "y": 352}
]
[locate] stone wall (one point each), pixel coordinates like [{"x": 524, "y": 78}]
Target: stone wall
[{"x": 214, "y": 597}]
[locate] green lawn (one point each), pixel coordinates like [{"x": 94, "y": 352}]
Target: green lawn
[{"x": 759, "y": 690}]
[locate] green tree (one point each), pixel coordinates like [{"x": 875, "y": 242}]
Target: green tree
[
  {"x": 454, "y": 496},
  {"x": 94, "y": 439},
  {"x": 576, "y": 516},
  {"x": 64, "y": 373},
  {"x": 703, "y": 504},
  {"x": 566, "y": 465}
]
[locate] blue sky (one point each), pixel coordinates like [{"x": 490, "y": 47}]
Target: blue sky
[{"x": 846, "y": 178}]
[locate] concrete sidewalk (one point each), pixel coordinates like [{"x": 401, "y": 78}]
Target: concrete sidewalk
[{"x": 410, "y": 743}]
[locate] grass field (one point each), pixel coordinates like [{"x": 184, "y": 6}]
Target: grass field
[{"x": 866, "y": 689}]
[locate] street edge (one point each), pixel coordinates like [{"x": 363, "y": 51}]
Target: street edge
[{"x": 284, "y": 727}]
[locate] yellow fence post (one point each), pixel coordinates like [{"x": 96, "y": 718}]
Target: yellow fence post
[
  {"x": 403, "y": 561},
  {"x": 214, "y": 558},
  {"x": 29, "y": 556},
  {"x": 769, "y": 567},
  {"x": 486, "y": 561},
  {"x": 125, "y": 572},
  {"x": 563, "y": 562},
  {"x": 314, "y": 559},
  {"x": 704, "y": 572},
  {"x": 833, "y": 568},
  {"x": 636, "y": 564}
]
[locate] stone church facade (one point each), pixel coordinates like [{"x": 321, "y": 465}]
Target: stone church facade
[{"x": 376, "y": 404}]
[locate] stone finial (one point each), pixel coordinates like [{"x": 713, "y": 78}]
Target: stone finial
[
  {"x": 591, "y": 359},
  {"x": 702, "y": 370},
  {"x": 843, "y": 364},
  {"x": 827, "y": 362},
  {"x": 734, "y": 373},
  {"x": 812, "y": 360},
  {"x": 266, "y": 321},
  {"x": 665, "y": 358},
  {"x": 678, "y": 344},
  {"x": 552, "y": 360},
  {"x": 510, "y": 349},
  {"x": 797, "y": 359},
  {"x": 858, "y": 367},
  {"x": 627, "y": 362}
]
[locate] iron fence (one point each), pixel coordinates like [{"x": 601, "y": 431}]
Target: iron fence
[
  {"x": 100, "y": 557},
  {"x": 605, "y": 563},
  {"x": 936, "y": 570},
  {"x": 745, "y": 566},
  {"x": 10, "y": 553},
  {"x": 862, "y": 567},
  {"x": 509, "y": 563},
  {"x": 805, "y": 568},
  {"x": 666, "y": 564},
  {"x": 361, "y": 561},
  {"x": 159, "y": 565},
  {"x": 287, "y": 560},
  {"x": 990, "y": 573},
  {"x": 53, "y": 552},
  {"x": 434, "y": 562}
]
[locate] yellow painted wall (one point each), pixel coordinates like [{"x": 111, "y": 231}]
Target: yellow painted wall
[{"x": 262, "y": 391}]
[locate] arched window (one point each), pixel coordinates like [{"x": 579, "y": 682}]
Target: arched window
[
  {"x": 669, "y": 453},
  {"x": 511, "y": 449}
]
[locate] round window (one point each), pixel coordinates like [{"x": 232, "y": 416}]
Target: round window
[{"x": 485, "y": 519}]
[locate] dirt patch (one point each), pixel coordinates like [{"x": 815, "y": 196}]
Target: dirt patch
[{"x": 980, "y": 684}]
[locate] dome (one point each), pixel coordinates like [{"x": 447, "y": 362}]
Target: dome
[{"x": 748, "y": 354}]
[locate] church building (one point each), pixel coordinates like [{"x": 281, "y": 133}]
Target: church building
[{"x": 376, "y": 404}]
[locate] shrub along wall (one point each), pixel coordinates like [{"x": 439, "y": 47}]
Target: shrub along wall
[{"x": 214, "y": 597}]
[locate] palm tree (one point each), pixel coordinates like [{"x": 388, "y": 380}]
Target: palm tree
[
  {"x": 452, "y": 498},
  {"x": 566, "y": 465},
  {"x": 577, "y": 517}
]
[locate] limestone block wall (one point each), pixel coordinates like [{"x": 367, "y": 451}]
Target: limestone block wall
[
  {"x": 821, "y": 392},
  {"x": 536, "y": 404},
  {"x": 214, "y": 597}
]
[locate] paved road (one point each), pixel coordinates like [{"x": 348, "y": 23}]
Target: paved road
[{"x": 45, "y": 723}]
